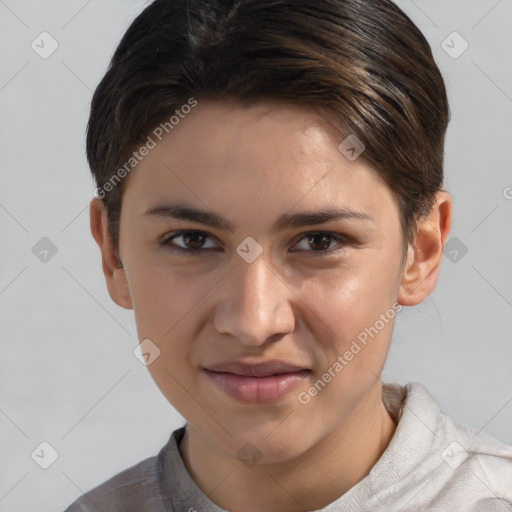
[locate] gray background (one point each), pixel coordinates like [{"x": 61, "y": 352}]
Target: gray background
[{"x": 68, "y": 373}]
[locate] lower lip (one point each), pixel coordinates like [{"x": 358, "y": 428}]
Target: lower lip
[{"x": 258, "y": 389}]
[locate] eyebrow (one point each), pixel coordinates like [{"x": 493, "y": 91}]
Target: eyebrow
[{"x": 286, "y": 221}]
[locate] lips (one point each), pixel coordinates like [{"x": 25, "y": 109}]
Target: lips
[
  {"x": 263, "y": 382},
  {"x": 264, "y": 369}
]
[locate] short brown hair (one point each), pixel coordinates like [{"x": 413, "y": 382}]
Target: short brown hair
[{"x": 362, "y": 63}]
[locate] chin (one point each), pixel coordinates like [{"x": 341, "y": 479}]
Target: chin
[{"x": 268, "y": 444}]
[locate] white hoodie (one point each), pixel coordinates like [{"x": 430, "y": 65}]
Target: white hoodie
[{"x": 431, "y": 464}]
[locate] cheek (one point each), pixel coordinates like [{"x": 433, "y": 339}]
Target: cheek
[
  {"x": 357, "y": 305},
  {"x": 164, "y": 309},
  {"x": 168, "y": 309},
  {"x": 162, "y": 300},
  {"x": 359, "y": 311},
  {"x": 352, "y": 299}
]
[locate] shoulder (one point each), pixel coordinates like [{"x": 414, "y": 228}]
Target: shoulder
[
  {"x": 436, "y": 462},
  {"x": 138, "y": 488},
  {"x": 475, "y": 466},
  {"x": 480, "y": 457}
]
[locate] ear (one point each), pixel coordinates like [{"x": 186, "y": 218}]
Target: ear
[
  {"x": 421, "y": 269},
  {"x": 115, "y": 275}
]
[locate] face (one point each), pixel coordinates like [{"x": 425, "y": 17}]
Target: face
[{"x": 264, "y": 266}]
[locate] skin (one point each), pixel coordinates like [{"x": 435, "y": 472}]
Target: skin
[{"x": 251, "y": 165}]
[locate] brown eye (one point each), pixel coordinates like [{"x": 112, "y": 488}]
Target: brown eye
[
  {"x": 188, "y": 241},
  {"x": 193, "y": 240},
  {"x": 321, "y": 243}
]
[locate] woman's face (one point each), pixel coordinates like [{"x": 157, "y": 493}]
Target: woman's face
[{"x": 292, "y": 257}]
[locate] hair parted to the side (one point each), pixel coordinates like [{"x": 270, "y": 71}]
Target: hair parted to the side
[{"x": 362, "y": 64}]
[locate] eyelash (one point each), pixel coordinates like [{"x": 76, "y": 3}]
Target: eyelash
[{"x": 167, "y": 243}]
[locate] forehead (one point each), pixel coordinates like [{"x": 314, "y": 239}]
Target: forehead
[{"x": 256, "y": 159}]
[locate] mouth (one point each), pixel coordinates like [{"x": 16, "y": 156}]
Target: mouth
[{"x": 264, "y": 382}]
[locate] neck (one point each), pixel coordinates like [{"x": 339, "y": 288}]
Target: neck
[{"x": 309, "y": 482}]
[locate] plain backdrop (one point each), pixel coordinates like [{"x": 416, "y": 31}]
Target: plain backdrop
[{"x": 68, "y": 375}]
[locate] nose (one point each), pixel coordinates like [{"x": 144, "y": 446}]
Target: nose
[{"x": 255, "y": 304}]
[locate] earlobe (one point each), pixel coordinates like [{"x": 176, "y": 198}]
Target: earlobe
[
  {"x": 115, "y": 276},
  {"x": 424, "y": 256}
]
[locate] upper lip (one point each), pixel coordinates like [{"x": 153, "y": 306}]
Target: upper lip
[{"x": 263, "y": 369}]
